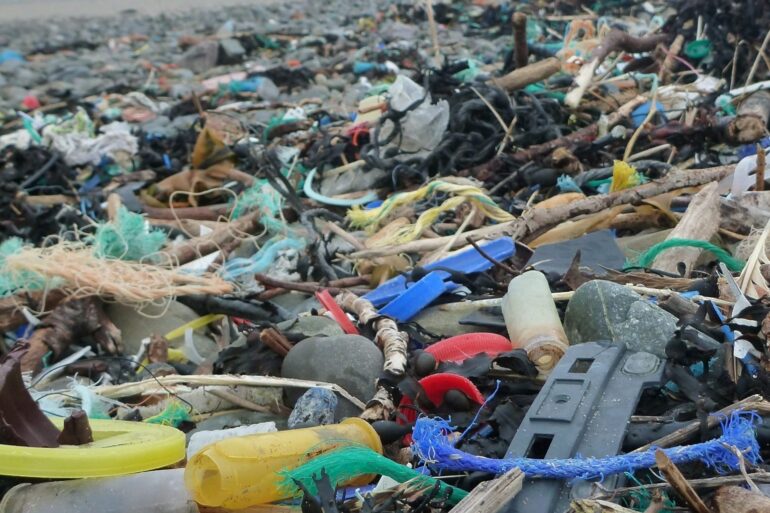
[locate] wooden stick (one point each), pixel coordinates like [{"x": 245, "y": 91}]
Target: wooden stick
[
  {"x": 679, "y": 483},
  {"x": 700, "y": 222},
  {"x": 489, "y": 496},
  {"x": 529, "y": 74},
  {"x": 520, "y": 49},
  {"x": 536, "y": 219}
]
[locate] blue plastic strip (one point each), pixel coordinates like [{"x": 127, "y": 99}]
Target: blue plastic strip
[
  {"x": 469, "y": 261},
  {"x": 419, "y": 295}
]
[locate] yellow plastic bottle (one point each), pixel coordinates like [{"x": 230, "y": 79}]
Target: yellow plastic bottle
[{"x": 243, "y": 471}]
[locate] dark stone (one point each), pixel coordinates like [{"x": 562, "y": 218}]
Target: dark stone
[
  {"x": 603, "y": 310},
  {"x": 350, "y": 361}
]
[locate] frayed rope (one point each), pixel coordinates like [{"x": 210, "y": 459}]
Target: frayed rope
[{"x": 432, "y": 443}]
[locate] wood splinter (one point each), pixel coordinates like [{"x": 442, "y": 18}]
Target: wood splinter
[{"x": 679, "y": 483}]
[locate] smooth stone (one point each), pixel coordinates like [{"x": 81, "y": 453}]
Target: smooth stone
[
  {"x": 350, "y": 361},
  {"x": 603, "y": 310}
]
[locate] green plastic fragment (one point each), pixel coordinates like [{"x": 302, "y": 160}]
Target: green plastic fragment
[
  {"x": 698, "y": 49},
  {"x": 344, "y": 464},
  {"x": 174, "y": 414}
]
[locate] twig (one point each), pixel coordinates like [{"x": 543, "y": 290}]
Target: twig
[
  {"x": 312, "y": 287},
  {"x": 756, "y": 61},
  {"x": 760, "y": 168},
  {"x": 507, "y": 268}
]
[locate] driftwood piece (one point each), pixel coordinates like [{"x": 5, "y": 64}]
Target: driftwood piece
[
  {"x": 700, "y": 222},
  {"x": 734, "y": 499},
  {"x": 538, "y": 219},
  {"x": 491, "y": 496},
  {"x": 750, "y": 122},
  {"x": 528, "y": 74},
  {"x": 679, "y": 483}
]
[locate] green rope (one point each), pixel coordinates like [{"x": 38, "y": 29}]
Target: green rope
[{"x": 648, "y": 257}]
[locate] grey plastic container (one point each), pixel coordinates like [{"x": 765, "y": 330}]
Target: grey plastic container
[{"x": 159, "y": 491}]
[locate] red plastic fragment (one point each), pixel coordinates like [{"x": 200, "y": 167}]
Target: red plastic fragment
[
  {"x": 333, "y": 308},
  {"x": 462, "y": 347}
]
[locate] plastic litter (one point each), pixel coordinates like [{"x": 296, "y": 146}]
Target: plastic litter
[{"x": 225, "y": 473}]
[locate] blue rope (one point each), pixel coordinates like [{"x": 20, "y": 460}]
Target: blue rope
[
  {"x": 431, "y": 442},
  {"x": 476, "y": 417}
]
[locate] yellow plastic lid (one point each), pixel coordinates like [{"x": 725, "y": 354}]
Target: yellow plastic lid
[{"x": 119, "y": 448}]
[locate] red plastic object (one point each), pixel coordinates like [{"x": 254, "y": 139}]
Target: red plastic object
[
  {"x": 462, "y": 347},
  {"x": 30, "y": 102},
  {"x": 435, "y": 386},
  {"x": 331, "y": 305}
]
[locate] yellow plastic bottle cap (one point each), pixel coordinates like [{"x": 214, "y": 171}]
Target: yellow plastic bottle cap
[{"x": 118, "y": 448}]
